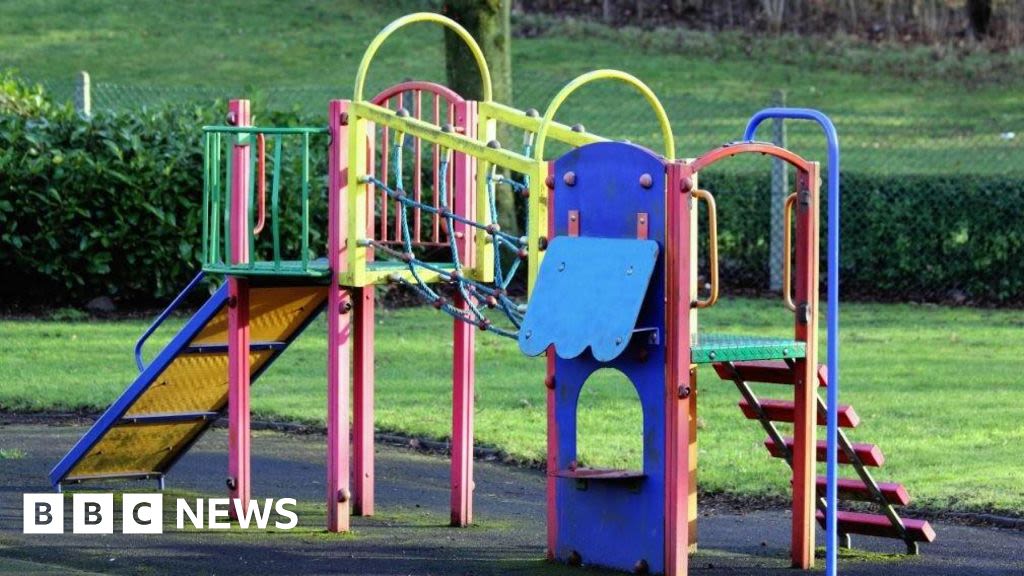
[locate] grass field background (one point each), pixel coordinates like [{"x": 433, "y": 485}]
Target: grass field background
[
  {"x": 899, "y": 113},
  {"x": 935, "y": 388}
]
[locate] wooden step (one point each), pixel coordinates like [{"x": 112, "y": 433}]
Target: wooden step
[
  {"x": 855, "y": 489},
  {"x": 767, "y": 371},
  {"x": 782, "y": 411},
  {"x": 879, "y": 525},
  {"x": 869, "y": 454}
]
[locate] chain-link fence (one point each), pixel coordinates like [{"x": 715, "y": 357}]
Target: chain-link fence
[{"x": 932, "y": 197}]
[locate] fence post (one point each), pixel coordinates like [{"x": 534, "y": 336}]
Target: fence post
[
  {"x": 83, "y": 94},
  {"x": 780, "y": 187}
]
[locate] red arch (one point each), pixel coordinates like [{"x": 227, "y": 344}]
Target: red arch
[{"x": 736, "y": 148}]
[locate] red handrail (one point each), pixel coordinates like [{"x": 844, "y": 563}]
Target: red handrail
[{"x": 261, "y": 187}]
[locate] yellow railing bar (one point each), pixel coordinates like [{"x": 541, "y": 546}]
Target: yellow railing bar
[
  {"x": 538, "y": 212},
  {"x": 712, "y": 248},
  {"x": 383, "y": 35},
  {"x": 519, "y": 119},
  {"x": 580, "y": 81},
  {"x": 787, "y": 243},
  {"x": 454, "y": 141}
]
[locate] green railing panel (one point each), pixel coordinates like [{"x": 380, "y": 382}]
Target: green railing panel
[{"x": 288, "y": 160}]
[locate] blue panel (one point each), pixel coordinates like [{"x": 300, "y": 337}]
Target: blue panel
[
  {"x": 609, "y": 523},
  {"x": 588, "y": 294}
]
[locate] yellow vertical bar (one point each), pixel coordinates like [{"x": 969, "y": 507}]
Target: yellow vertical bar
[
  {"x": 537, "y": 221},
  {"x": 357, "y": 205},
  {"x": 486, "y": 131}
]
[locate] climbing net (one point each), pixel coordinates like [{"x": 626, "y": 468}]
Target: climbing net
[{"x": 509, "y": 250}]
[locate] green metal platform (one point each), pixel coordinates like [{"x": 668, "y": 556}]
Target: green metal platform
[
  {"x": 710, "y": 348},
  {"x": 298, "y": 269}
]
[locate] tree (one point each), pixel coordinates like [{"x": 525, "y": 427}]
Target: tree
[
  {"x": 489, "y": 22},
  {"x": 979, "y": 12}
]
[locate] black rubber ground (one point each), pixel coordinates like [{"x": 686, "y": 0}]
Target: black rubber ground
[{"x": 409, "y": 534}]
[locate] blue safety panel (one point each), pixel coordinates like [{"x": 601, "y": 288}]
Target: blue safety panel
[
  {"x": 588, "y": 294},
  {"x": 611, "y": 522}
]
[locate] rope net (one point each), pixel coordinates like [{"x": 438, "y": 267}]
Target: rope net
[{"x": 478, "y": 298}]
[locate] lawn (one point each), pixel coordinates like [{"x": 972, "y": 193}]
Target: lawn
[
  {"x": 898, "y": 112},
  {"x": 933, "y": 386}
]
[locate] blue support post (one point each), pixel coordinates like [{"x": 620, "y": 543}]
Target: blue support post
[{"x": 832, "y": 389}]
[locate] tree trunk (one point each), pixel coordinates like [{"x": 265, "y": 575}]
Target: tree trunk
[
  {"x": 979, "y": 12},
  {"x": 607, "y": 14},
  {"x": 488, "y": 22}
]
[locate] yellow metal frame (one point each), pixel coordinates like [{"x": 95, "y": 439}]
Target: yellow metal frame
[
  {"x": 488, "y": 114},
  {"x": 383, "y": 35},
  {"x": 538, "y": 204}
]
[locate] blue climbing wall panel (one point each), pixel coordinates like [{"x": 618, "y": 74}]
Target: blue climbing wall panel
[
  {"x": 614, "y": 519},
  {"x": 601, "y": 317}
]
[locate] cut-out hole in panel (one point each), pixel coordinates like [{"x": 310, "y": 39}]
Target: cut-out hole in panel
[{"x": 609, "y": 423}]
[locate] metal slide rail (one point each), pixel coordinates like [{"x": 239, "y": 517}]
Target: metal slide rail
[{"x": 163, "y": 316}]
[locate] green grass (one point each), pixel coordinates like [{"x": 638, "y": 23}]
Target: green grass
[
  {"x": 934, "y": 387},
  {"x": 12, "y": 454},
  {"x": 898, "y": 111}
]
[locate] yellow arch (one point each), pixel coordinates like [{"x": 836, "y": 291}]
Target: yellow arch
[
  {"x": 383, "y": 35},
  {"x": 580, "y": 81}
]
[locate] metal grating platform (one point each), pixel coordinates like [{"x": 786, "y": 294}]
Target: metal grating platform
[{"x": 711, "y": 348}]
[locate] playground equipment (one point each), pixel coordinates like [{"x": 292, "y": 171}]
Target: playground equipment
[{"x": 611, "y": 256}]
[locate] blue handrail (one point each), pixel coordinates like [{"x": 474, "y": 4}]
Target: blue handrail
[
  {"x": 163, "y": 316},
  {"x": 832, "y": 428}
]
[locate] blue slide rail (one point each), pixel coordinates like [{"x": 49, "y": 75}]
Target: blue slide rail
[
  {"x": 832, "y": 391},
  {"x": 163, "y": 316}
]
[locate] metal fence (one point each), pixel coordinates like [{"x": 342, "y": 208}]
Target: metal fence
[{"x": 933, "y": 198}]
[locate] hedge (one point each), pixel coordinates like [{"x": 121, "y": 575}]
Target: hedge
[
  {"x": 111, "y": 206},
  {"x": 950, "y": 239},
  {"x": 106, "y": 206}
]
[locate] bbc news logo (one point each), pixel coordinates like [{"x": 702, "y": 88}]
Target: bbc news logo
[{"x": 93, "y": 513}]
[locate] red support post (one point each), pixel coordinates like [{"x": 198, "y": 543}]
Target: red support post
[
  {"x": 339, "y": 315},
  {"x": 463, "y": 335},
  {"x": 364, "y": 305},
  {"x": 805, "y": 390},
  {"x": 551, "y": 382},
  {"x": 680, "y": 383},
  {"x": 238, "y": 320},
  {"x": 362, "y": 391}
]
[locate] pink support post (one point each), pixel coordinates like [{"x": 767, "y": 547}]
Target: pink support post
[
  {"x": 464, "y": 338},
  {"x": 680, "y": 383},
  {"x": 339, "y": 308},
  {"x": 550, "y": 383},
  {"x": 238, "y": 320},
  {"x": 363, "y": 375},
  {"x": 362, "y": 413}
]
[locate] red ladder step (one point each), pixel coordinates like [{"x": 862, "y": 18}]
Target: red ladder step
[
  {"x": 770, "y": 371},
  {"x": 870, "y": 454},
  {"x": 854, "y": 489},
  {"x": 879, "y": 525},
  {"x": 782, "y": 411}
]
